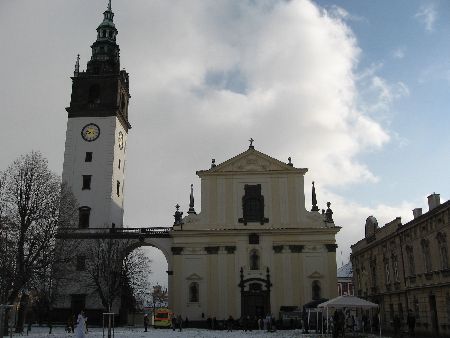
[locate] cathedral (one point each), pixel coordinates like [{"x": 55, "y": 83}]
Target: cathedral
[{"x": 253, "y": 249}]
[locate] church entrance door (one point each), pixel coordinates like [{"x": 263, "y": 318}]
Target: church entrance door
[{"x": 255, "y": 302}]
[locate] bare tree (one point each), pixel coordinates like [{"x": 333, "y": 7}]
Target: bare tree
[
  {"x": 33, "y": 203},
  {"x": 112, "y": 271}
]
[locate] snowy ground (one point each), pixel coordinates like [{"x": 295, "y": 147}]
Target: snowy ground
[{"x": 58, "y": 332}]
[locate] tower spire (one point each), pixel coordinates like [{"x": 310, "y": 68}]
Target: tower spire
[{"x": 105, "y": 51}]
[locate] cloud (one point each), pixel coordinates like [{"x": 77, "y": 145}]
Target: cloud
[
  {"x": 399, "y": 53},
  {"x": 205, "y": 76},
  {"x": 427, "y": 15}
]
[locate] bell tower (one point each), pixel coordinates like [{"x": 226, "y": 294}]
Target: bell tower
[{"x": 97, "y": 131}]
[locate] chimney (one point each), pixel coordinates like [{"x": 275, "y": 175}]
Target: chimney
[
  {"x": 433, "y": 201},
  {"x": 417, "y": 212}
]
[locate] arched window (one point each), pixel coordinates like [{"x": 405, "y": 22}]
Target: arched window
[
  {"x": 443, "y": 249},
  {"x": 316, "y": 290},
  {"x": 254, "y": 260},
  {"x": 84, "y": 214},
  {"x": 94, "y": 94},
  {"x": 193, "y": 292}
]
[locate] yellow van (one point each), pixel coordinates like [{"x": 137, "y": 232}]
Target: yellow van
[{"x": 162, "y": 318}]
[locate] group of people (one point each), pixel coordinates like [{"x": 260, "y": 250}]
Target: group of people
[
  {"x": 346, "y": 322},
  {"x": 79, "y": 327},
  {"x": 177, "y": 322}
]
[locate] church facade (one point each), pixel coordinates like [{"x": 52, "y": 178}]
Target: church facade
[{"x": 252, "y": 249}]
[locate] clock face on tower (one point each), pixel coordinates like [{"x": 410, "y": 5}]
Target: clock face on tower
[
  {"x": 120, "y": 140},
  {"x": 90, "y": 132}
]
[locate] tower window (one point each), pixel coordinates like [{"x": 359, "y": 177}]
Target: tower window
[
  {"x": 86, "y": 182},
  {"x": 88, "y": 157},
  {"x": 94, "y": 93},
  {"x": 84, "y": 214},
  {"x": 119, "y": 163},
  {"x": 81, "y": 263},
  {"x": 118, "y": 188}
]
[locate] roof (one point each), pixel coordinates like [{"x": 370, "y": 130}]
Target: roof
[
  {"x": 251, "y": 160},
  {"x": 345, "y": 271},
  {"x": 348, "y": 302}
]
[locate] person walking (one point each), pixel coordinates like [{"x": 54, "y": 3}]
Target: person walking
[
  {"x": 180, "y": 322},
  {"x": 145, "y": 322},
  {"x": 80, "y": 330},
  {"x": 174, "y": 322},
  {"x": 230, "y": 324},
  {"x": 411, "y": 320}
]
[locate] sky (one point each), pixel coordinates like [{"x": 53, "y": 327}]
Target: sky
[{"x": 355, "y": 91}]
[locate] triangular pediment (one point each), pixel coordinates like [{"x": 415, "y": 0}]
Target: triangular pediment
[
  {"x": 315, "y": 275},
  {"x": 251, "y": 161},
  {"x": 194, "y": 276}
]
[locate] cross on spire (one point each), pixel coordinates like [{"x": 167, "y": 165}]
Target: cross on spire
[
  {"x": 251, "y": 142},
  {"x": 109, "y": 5}
]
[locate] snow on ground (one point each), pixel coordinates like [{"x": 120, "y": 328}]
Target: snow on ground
[{"x": 58, "y": 332}]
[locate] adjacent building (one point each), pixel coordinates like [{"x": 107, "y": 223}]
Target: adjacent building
[
  {"x": 345, "y": 280},
  {"x": 406, "y": 266}
]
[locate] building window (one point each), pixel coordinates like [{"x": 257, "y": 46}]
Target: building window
[
  {"x": 119, "y": 163},
  {"x": 77, "y": 303},
  {"x": 400, "y": 311},
  {"x": 316, "y": 290},
  {"x": 387, "y": 272},
  {"x": 416, "y": 307},
  {"x": 254, "y": 260},
  {"x": 443, "y": 249},
  {"x": 426, "y": 254},
  {"x": 83, "y": 217},
  {"x": 373, "y": 272},
  {"x": 118, "y": 188},
  {"x": 411, "y": 264},
  {"x": 193, "y": 292},
  {"x": 86, "y": 182},
  {"x": 395, "y": 264},
  {"x": 81, "y": 263},
  {"x": 88, "y": 157}
]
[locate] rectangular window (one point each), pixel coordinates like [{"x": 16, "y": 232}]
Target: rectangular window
[
  {"x": 88, "y": 157},
  {"x": 118, "y": 188},
  {"x": 81, "y": 263},
  {"x": 397, "y": 279},
  {"x": 84, "y": 214},
  {"x": 86, "y": 182},
  {"x": 119, "y": 164}
]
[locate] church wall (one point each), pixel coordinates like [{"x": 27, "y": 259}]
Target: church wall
[{"x": 222, "y": 200}]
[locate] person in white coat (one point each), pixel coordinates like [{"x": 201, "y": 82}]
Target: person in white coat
[{"x": 80, "y": 330}]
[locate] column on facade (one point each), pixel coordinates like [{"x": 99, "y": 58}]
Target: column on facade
[
  {"x": 276, "y": 294},
  {"x": 332, "y": 268},
  {"x": 232, "y": 282},
  {"x": 177, "y": 286}
]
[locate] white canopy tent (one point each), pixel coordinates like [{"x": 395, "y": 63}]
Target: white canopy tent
[{"x": 349, "y": 302}]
